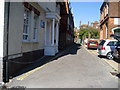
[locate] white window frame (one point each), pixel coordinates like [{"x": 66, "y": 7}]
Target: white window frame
[
  {"x": 107, "y": 8},
  {"x": 35, "y": 28},
  {"x": 116, "y": 21},
  {"x": 26, "y": 25}
]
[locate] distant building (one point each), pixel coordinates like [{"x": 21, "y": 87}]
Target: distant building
[
  {"x": 76, "y": 31},
  {"x": 95, "y": 24},
  {"x": 83, "y": 26},
  {"x": 109, "y": 19}
]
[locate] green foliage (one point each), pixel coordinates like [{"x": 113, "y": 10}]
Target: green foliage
[
  {"x": 74, "y": 33},
  {"x": 84, "y": 32}
]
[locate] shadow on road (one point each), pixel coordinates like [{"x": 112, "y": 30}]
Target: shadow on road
[
  {"x": 101, "y": 56},
  {"x": 117, "y": 61},
  {"x": 118, "y": 75},
  {"x": 72, "y": 49},
  {"x": 92, "y": 49}
]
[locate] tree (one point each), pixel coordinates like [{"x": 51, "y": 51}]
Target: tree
[{"x": 85, "y": 31}]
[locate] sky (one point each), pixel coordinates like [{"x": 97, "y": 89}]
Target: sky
[{"x": 85, "y": 11}]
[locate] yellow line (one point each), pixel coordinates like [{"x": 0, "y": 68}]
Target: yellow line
[
  {"x": 102, "y": 63},
  {"x": 29, "y": 73},
  {"x": 93, "y": 55}
]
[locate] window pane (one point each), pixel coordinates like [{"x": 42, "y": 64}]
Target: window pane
[
  {"x": 26, "y": 24},
  {"x": 26, "y": 37},
  {"x": 35, "y": 27},
  {"x": 93, "y": 42},
  {"x": 102, "y": 42},
  {"x": 26, "y": 30},
  {"x": 23, "y": 37},
  {"x": 111, "y": 44}
]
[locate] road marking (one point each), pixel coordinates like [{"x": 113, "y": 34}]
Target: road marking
[
  {"x": 29, "y": 73},
  {"x": 102, "y": 63}
]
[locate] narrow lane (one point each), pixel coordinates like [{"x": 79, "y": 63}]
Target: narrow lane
[{"x": 76, "y": 68}]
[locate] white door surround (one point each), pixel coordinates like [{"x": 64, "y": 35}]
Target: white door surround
[{"x": 51, "y": 34}]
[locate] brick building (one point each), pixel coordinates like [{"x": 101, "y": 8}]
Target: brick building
[
  {"x": 109, "y": 19},
  {"x": 76, "y": 31},
  {"x": 83, "y": 26},
  {"x": 66, "y": 33},
  {"x": 95, "y": 24}
]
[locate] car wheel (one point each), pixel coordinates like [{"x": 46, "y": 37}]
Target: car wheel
[{"x": 110, "y": 56}]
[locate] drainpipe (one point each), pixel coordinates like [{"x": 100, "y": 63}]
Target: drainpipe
[{"x": 5, "y": 59}]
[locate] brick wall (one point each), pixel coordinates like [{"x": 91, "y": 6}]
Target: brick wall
[{"x": 113, "y": 9}]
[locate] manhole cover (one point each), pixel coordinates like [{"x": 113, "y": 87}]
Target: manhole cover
[{"x": 17, "y": 88}]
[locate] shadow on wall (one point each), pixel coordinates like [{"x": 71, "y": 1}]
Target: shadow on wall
[{"x": 72, "y": 49}]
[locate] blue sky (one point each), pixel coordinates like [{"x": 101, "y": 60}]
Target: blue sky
[{"x": 85, "y": 11}]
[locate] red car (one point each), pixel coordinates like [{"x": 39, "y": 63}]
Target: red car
[{"x": 92, "y": 44}]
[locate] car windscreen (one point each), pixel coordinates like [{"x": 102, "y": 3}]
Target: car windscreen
[
  {"x": 102, "y": 42},
  {"x": 93, "y": 42}
]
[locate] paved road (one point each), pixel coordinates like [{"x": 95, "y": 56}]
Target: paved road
[{"x": 75, "y": 68}]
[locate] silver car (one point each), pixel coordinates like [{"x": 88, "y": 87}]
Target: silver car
[{"x": 106, "y": 48}]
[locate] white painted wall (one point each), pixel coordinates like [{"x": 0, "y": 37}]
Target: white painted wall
[
  {"x": 16, "y": 22},
  {"x": 116, "y": 21},
  {"x": 15, "y": 27},
  {"x": 1, "y": 27},
  {"x": 31, "y": 46},
  {"x": 48, "y": 6},
  {"x": 1, "y": 37}
]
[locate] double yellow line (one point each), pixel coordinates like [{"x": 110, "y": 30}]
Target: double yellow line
[{"x": 29, "y": 73}]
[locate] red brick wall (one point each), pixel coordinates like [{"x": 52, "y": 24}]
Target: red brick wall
[
  {"x": 110, "y": 26},
  {"x": 113, "y": 9},
  {"x": 63, "y": 23}
]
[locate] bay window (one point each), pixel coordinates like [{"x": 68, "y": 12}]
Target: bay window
[
  {"x": 26, "y": 25},
  {"x": 35, "y": 28}
]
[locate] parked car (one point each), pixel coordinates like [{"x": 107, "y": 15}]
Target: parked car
[
  {"x": 106, "y": 48},
  {"x": 116, "y": 52},
  {"x": 92, "y": 44}
]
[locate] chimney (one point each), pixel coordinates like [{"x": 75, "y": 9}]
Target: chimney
[
  {"x": 88, "y": 23},
  {"x": 80, "y": 25}
]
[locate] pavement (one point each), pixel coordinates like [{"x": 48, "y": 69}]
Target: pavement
[
  {"x": 1, "y": 81},
  {"x": 113, "y": 63},
  {"x": 37, "y": 63},
  {"x": 73, "y": 68}
]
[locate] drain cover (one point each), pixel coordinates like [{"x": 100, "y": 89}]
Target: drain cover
[
  {"x": 18, "y": 88},
  {"x": 114, "y": 73}
]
